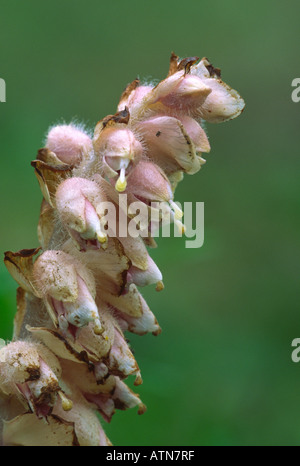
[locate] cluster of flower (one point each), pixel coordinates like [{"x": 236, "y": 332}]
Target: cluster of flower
[{"x": 79, "y": 291}]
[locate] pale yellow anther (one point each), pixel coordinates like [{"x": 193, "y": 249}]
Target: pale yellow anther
[
  {"x": 159, "y": 286},
  {"x": 121, "y": 183},
  {"x": 177, "y": 211},
  {"x": 142, "y": 408},
  {"x": 138, "y": 379},
  {"x": 65, "y": 402},
  {"x": 101, "y": 237},
  {"x": 181, "y": 227},
  {"x": 98, "y": 327}
]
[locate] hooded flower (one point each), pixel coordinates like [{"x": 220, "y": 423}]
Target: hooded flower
[
  {"x": 190, "y": 89},
  {"x": 76, "y": 202},
  {"x": 104, "y": 354},
  {"x": 117, "y": 146},
  {"x": 106, "y": 397},
  {"x": 31, "y": 372},
  {"x": 223, "y": 103},
  {"x": 68, "y": 290}
]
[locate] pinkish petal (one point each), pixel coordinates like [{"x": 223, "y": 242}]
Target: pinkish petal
[
  {"x": 196, "y": 133},
  {"x": 76, "y": 201},
  {"x": 148, "y": 181},
  {"x": 130, "y": 302},
  {"x": 145, "y": 277},
  {"x": 179, "y": 91},
  {"x": 223, "y": 103},
  {"x": 169, "y": 145},
  {"x": 124, "y": 398},
  {"x": 121, "y": 360},
  {"x": 88, "y": 429}
]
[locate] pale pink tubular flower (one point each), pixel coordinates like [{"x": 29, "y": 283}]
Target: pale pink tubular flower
[
  {"x": 79, "y": 293},
  {"x": 118, "y": 148},
  {"x": 76, "y": 203}
]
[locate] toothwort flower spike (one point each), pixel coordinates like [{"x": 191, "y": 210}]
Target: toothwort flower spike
[{"x": 64, "y": 372}]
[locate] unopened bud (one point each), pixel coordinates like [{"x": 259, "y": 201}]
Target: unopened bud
[{"x": 69, "y": 143}]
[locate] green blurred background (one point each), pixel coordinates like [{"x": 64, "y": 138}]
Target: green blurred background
[{"x": 221, "y": 372}]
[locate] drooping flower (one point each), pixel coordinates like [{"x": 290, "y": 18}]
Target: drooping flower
[
  {"x": 117, "y": 146},
  {"x": 76, "y": 203},
  {"x": 31, "y": 372},
  {"x": 68, "y": 289}
]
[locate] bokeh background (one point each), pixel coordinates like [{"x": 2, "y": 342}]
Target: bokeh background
[{"x": 221, "y": 372}]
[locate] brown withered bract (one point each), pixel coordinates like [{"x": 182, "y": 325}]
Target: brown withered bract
[{"x": 119, "y": 117}]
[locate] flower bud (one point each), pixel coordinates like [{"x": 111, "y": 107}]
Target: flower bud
[{"x": 69, "y": 143}]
